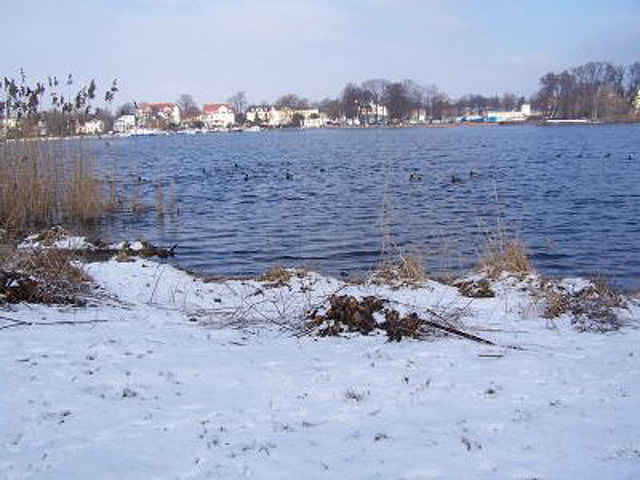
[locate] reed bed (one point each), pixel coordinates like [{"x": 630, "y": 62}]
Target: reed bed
[{"x": 43, "y": 184}]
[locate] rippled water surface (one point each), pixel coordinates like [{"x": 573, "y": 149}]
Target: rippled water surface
[{"x": 249, "y": 201}]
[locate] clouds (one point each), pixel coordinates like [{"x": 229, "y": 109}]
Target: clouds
[{"x": 161, "y": 48}]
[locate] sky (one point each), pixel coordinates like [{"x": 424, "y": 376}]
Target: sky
[{"x": 211, "y": 49}]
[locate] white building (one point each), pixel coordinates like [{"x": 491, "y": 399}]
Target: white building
[
  {"x": 124, "y": 124},
  {"x": 258, "y": 115},
  {"x": 279, "y": 117},
  {"x": 218, "y": 115},
  {"x": 514, "y": 116},
  {"x": 92, "y": 127}
]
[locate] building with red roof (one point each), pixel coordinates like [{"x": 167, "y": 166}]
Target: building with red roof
[{"x": 218, "y": 115}]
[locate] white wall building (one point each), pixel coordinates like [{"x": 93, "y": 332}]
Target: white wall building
[
  {"x": 92, "y": 127},
  {"x": 218, "y": 115},
  {"x": 124, "y": 124},
  {"x": 278, "y": 117},
  {"x": 258, "y": 115}
]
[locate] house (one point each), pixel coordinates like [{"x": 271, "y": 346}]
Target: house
[
  {"x": 282, "y": 117},
  {"x": 372, "y": 113},
  {"x": 418, "y": 116},
  {"x": 258, "y": 114},
  {"x": 218, "y": 115},
  {"x": 92, "y": 127},
  {"x": 312, "y": 118},
  {"x": 157, "y": 115},
  {"x": 124, "y": 124}
]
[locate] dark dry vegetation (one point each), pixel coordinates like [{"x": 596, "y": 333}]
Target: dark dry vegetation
[
  {"x": 401, "y": 269},
  {"x": 372, "y": 314},
  {"x": 41, "y": 276},
  {"x": 592, "y": 308}
]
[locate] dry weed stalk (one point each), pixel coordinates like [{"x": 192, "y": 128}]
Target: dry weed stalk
[
  {"x": 504, "y": 253},
  {"x": 173, "y": 200},
  {"x": 159, "y": 201},
  {"x": 276, "y": 275},
  {"x": 403, "y": 268}
]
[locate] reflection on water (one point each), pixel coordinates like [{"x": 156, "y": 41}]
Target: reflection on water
[{"x": 249, "y": 201}]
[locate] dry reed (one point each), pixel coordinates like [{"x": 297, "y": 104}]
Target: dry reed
[
  {"x": 504, "y": 253},
  {"x": 402, "y": 267},
  {"x": 42, "y": 184},
  {"x": 159, "y": 201}
]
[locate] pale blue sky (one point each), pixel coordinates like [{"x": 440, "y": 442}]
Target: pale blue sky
[{"x": 159, "y": 49}]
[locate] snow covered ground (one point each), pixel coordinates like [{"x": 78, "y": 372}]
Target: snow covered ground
[{"x": 165, "y": 376}]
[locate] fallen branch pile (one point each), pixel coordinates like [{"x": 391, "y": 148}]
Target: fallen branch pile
[{"x": 348, "y": 314}]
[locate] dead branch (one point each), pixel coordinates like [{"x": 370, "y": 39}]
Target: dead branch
[{"x": 24, "y": 323}]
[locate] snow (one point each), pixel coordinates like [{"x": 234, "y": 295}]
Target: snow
[
  {"x": 67, "y": 242},
  {"x": 134, "y": 246},
  {"x": 164, "y": 375}
]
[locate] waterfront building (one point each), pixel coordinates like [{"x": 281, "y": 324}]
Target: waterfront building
[
  {"x": 157, "y": 115},
  {"x": 218, "y": 115},
  {"x": 124, "y": 124}
]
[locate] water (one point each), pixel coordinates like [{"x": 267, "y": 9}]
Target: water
[{"x": 254, "y": 200}]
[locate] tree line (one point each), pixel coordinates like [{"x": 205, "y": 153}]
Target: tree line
[{"x": 595, "y": 90}]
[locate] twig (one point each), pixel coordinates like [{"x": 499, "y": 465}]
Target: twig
[
  {"x": 157, "y": 281},
  {"x": 455, "y": 331},
  {"x": 22, "y": 323},
  {"x": 16, "y": 322}
]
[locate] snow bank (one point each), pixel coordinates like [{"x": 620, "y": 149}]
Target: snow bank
[{"x": 168, "y": 376}]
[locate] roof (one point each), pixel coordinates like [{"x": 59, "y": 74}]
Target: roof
[
  {"x": 156, "y": 106},
  {"x": 213, "y": 108}
]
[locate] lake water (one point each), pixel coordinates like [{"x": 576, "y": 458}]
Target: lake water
[{"x": 323, "y": 198}]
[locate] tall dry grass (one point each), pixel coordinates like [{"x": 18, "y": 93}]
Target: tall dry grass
[
  {"x": 42, "y": 184},
  {"x": 504, "y": 252}
]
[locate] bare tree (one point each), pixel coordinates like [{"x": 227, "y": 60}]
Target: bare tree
[
  {"x": 350, "y": 101},
  {"x": 415, "y": 95},
  {"x": 188, "y": 107},
  {"x": 397, "y": 101},
  {"x": 508, "y": 101},
  {"x": 292, "y": 101},
  {"x": 592, "y": 90},
  {"x": 374, "y": 89},
  {"x": 126, "y": 109},
  {"x": 238, "y": 102},
  {"x": 330, "y": 107}
]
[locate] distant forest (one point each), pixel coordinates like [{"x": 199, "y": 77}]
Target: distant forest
[{"x": 595, "y": 90}]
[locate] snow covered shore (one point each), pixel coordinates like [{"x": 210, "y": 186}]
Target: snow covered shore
[{"x": 164, "y": 375}]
